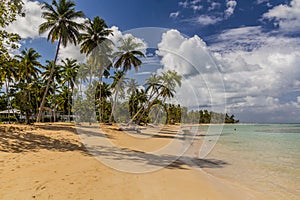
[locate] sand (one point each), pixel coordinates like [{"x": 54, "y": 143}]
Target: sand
[{"x": 48, "y": 161}]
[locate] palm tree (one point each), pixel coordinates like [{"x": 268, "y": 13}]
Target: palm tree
[
  {"x": 8, "y": 73},
  {"x": 118, "y": 85},
  {"x": 128, "y": 54},
  {"x": 95, "y": 37},
  {"x": 69, "y": 71},
  {"x": 103, "y": 91},
  {"x": 56, "y": 80},
  {"x": 96, "y": 44},
  {"x": 28, "y": 72},
  {"x": 161, "y": 86},
  {"x": 62, "y": 26},
  {"x": 131, "y": 86},
  {"x": 29, "y": 65}
]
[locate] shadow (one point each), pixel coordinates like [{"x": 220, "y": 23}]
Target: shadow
[
  {"x": 18, "y": 140},
  {"x": 14, "y": 140}
]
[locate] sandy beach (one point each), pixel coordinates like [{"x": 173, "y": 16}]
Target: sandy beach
[{"x": 50, "y": 162}]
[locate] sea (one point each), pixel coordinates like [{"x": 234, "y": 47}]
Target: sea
[{"x": 263, "y": 157}]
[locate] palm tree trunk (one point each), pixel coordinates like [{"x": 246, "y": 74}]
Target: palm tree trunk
[
  {"x": 113, "y": 107},
  {"x": 69, "y": 108},
  {"x": 8, "y": 101},
  {"x": 38, "y": 119},
  {"x": 54, "y": 96}
]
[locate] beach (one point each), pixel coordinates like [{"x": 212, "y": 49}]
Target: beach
[{"x": 49, "y": 161}]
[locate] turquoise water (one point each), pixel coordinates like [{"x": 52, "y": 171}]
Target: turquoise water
[{"x": 264, "y": 157}]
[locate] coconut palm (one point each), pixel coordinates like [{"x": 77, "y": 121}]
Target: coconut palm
[
  {"x": 161, "y": 86},
  {"x": 69, "y": 71},
  {"x": 61, "y": 22},
  {"x": 8, "y": 73},
  {"x": 95, "y": 37},
  {"x": 127, "y": 55},
  {"x": 94, "y": 43},
  {"x": 56, "y": 79},
  {"x": 103, "y": 91},
  {"x": 29, "y": 65},
  {"x": 131, "y": 86},
  {"x": 29, "y": 71},
  {"x": 118, "y": 86}
]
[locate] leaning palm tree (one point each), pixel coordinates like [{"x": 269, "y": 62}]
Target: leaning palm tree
[
  {"x": 61, "y": 23},
  {"x": 165, "y": 88}
]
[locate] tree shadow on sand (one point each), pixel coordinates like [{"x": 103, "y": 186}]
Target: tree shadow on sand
[{"x": 15, "y": 140}]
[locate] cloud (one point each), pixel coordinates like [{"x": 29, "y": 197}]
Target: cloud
[
  {"x": 287, "y": 17},
  {"x": 72, "y": 51},
  {"x": 214, "y": 5},
  {"x": 28, "y": 26},
  {"x": 117, "y": 37},
  {"x": 260, "y": 71},
  {"x": 174, "y": 14},
  {"x": 211, "y": 12},
  {"x": 258, "y": 81},
  {"x": 190, "y": 58},
  {"x": 207, "y": 20},
  {"x": 230, "y": 4}
]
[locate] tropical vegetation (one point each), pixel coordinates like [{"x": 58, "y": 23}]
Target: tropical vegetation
[{"x": 97, "y": 90}]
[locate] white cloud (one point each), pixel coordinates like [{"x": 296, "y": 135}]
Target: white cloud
[
  {"x": 214, "y": 5},
  {"x": 230, "y": 4},
  {"x": 214, "y": 15},
  {"x": 207, "y": 20},
  {"x": 72, "y": 51},
  {"x": 184, "y": 4},
  {"x": 260, "y": 70},
  {"x": 256, "y": 81},
  {"x": 117, "y": 36},
  {"x": 261, "y": 1},
  {"x": 286, "y": 16},
  {"x": 174, "y": 14},
  {"x": 196, "y": 8},
  {"x": 190, "y": 58},
  {"x": 28, "y": 26}
]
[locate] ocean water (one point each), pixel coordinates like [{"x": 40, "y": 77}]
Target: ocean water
[{"x": 264, "y": 157}]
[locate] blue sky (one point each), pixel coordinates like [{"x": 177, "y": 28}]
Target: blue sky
[{"x": 254, "y": 44}]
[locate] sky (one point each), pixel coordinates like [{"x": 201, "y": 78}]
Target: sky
[{"x": 239, "y": 56}]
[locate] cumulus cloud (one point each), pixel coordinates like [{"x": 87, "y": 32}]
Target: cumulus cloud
[
  {"x": 28, "y": 26},
  {"x": 287, "y": 17},
  {"x": 190, "y": 57},
  {"x": 255, "y": 81},
  {"x": 259, "y": 71}
]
